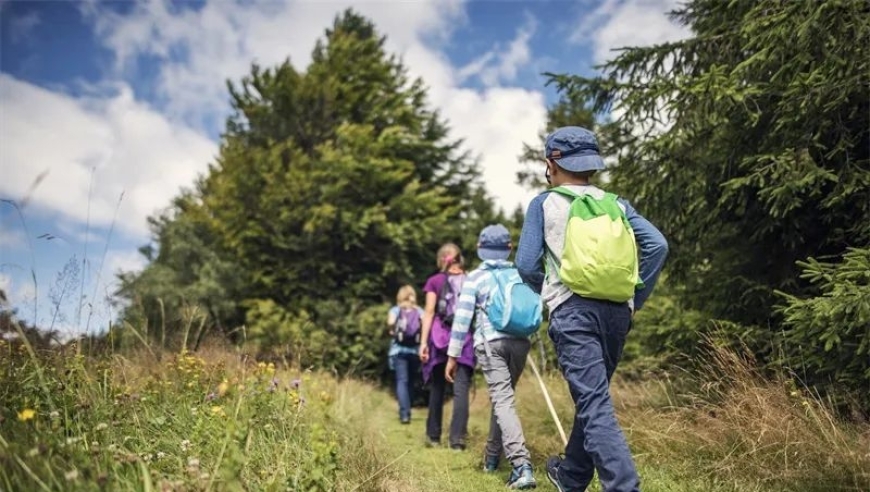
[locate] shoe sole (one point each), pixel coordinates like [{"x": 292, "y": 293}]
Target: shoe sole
[{"x": 525, "y": 486}]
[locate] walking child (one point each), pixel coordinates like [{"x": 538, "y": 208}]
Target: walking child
[
  {"x": 579, "y": 248},
  {"x": 501, "y": 343},
  {"x": 405, "y": 321},
  {"x": 442, "y": 291}
]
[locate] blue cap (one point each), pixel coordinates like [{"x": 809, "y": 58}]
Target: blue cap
[
  {"x": 574, "y": 149},
  {"x": 494, "y": 243}
]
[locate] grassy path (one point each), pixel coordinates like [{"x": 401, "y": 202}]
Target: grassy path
[
  {"x": 440, "y": 468},
  {"x": 443, "y": 469}
]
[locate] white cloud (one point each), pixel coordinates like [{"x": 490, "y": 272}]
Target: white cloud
[
  {"x": 496, "y": 66},
  {"x": 223, "y": 38},
  {"x": 625, "y": 23},
  {"x": 110, "y": 145}
]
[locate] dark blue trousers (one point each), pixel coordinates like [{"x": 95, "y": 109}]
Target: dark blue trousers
[
  {"x": 589, "y": 336},
  {"x": 406, "y": 369}
]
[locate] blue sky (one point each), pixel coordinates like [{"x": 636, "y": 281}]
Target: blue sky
[{"x": 107, "y": 109}]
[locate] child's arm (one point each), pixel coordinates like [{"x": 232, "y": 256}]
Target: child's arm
[
  {"x": 463, "y": 315},
  {"x": 653, "y": 251},
  {"x": 530, "y": 251}
]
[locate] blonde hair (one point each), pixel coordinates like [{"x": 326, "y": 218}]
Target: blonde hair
[
  {"x": 448, "y": 255},
  {"x": 407, "y": 297}
]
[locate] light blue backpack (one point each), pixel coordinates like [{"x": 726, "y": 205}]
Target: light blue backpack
[{"x": 513, "y": 307}]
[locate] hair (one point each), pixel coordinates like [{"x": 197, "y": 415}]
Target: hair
[
  {"x": 407, "y": 297},
  {"x": 449, "y": 254},
  {"x": 581, "y": 175}
]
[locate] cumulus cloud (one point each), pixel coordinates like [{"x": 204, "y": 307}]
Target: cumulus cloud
[
  {"x": 615, "y": 24},
  {"x": 201, "y": 49},
  {"x": 500, "y": 65},
  {"x": 108, "y": 143},
  {"x": 93, "y": 150}
]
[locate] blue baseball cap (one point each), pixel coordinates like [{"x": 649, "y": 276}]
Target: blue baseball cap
[
  {"x": 494, "y": 243},
  {"x": 574, "y": 149}
]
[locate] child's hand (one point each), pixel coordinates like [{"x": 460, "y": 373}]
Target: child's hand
[
  {"x": 450, "y": 370},
  {"x": 424, "y": 353}
]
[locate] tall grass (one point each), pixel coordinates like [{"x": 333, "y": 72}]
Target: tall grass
[
  {"x": 213, "y": 421},
  {"x": 734, "y": 426},
  {"x": 219, "y": 420}
]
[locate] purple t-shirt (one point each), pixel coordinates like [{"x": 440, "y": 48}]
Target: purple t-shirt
[{"x": 439, "y": 356}]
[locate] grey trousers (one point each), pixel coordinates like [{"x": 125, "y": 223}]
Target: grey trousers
[{"x": 502, "y": 368}]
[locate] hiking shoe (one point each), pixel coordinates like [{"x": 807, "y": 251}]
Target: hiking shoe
[
  {"x": 553, "y": 463},
  {"x": 457, "y": 447},
  {"x": 405, "y": 421},
  {"x": 432, "y": 443},
  {"x": 522, "y": 478},
  {"x": 490, "y": 464}
]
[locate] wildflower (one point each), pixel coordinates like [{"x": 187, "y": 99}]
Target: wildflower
[
  {"x": 33, "y": 452},
  {"x": 193, "y": 462},
  {"x": 295, "y": 384},
  {"x": 185, "y": 445},
  {"x": 273, "y": 385},
  {"x": 222, "y": 388},
  {"x": 101, "y": 426},
  {"x": 218, "y": 410},
  {"x": 71, "y": 475},
  {"x": 160, "y": 455},
  {"x": 26, "y": 414},
  {"x": 211, "y": 396},
  {"x": 54, "y": 415}
]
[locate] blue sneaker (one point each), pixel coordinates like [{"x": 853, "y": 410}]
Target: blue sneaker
[
  {"x": 553, "y": 463},
  {"x": 490, "y": 464},
  {"x": 522, "y": 478}
]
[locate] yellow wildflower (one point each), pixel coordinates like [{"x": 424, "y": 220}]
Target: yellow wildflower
[
  {"x": 222, "y": 388},
  {"x": 26, "y": 414}
]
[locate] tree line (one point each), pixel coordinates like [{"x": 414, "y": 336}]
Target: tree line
[{"x": 748, "y": 143}]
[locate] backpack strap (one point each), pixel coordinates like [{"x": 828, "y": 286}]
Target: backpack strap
[{"x": 593, "y": 207}]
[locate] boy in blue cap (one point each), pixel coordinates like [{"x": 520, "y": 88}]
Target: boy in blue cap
[
  {"x": 502, "y": 357},
  {"x": 588, "y": 329}
]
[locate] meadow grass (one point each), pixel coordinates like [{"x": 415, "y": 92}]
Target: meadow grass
[{"x": 218, "y": 420}]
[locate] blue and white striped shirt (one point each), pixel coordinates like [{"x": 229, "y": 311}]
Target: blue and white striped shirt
[{"x": 475, "y": 293}]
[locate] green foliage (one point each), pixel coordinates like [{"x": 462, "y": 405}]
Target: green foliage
[
  {"x": 72, "y": 422},
  {"x": 749, "y": 145},
  {"x": 333, "y": 187},
  {"x": 826, "y": 338},
  {"x": 333, "y": 335}
]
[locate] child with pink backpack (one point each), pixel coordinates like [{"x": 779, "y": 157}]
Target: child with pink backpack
[{"x": 442, "y": 292}]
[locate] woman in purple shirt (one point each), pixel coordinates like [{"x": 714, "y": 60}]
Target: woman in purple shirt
[{"x": 442, "y": 291}]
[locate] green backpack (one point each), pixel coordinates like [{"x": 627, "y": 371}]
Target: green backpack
[{"x": 599, "y": 259}]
